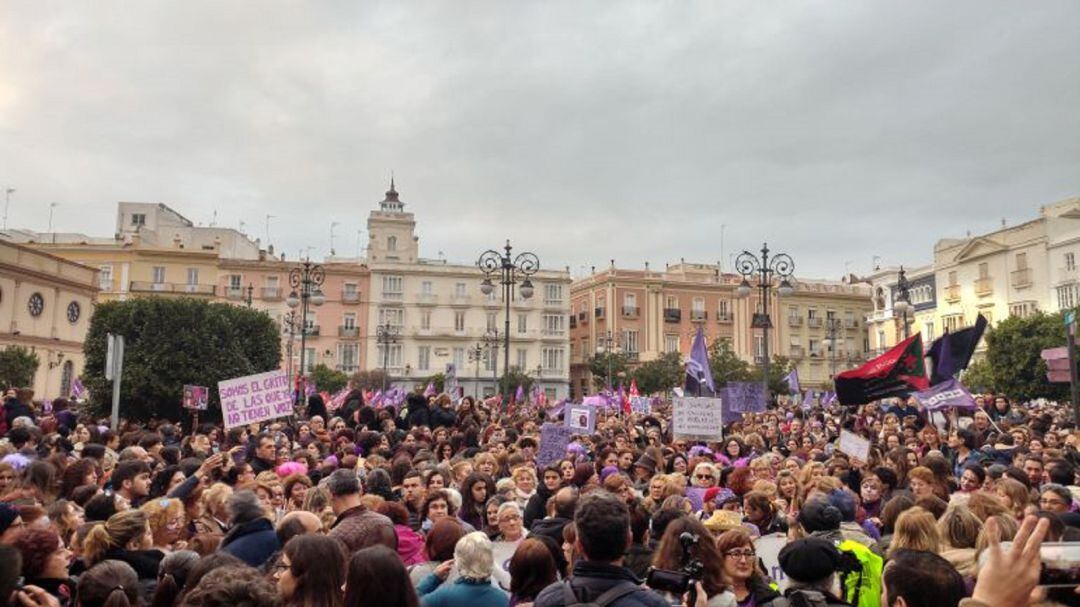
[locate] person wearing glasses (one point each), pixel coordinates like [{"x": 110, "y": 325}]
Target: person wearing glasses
[
  {"x": 1055, "y": 498},
  {"x": 740, "y": 568},
  {"x": 704, "y": 475}
]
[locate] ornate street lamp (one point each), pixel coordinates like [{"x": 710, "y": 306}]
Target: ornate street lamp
[
  {"x": 765, "y": 270},
  {"x": 385, "y": 335},
  {"x": 250, "y": 289},
  {"x": 833, "y": 339},
  {"x": 508, "y": 270},
  {"x": 902, "y": 302},
  {"x": 305, "y": 281},
  {"x": 292, "y": 322},
  {"x": 476, "y": 354},
  {"x": 607, "y": 344}
]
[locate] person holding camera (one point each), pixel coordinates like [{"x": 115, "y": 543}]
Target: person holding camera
[
  {"x": 599, "y": 578},
  {"x": 687, "y": 553}
]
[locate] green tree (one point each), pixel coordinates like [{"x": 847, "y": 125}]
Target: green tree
[
  {"x": 516, "y": 377},
  {"x": 369, "y": 380},
  {"x": 726, "y": 365},
  {"x": 979, "y": 377},
  {"x": 598, "y": 366},
  {"x": 327, "y": 379},
  {"x": 779, "y": 367},
  {"x": 660, "y": 374},
  {"x": 439, "y": 379},
  {"x": 1012, "y": 355},
  {"x": 172, "y": 342},
  {"x": 17, "y": 367}
]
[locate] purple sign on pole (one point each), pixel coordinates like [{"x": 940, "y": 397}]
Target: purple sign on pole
[
  {"x": 948, "y": 394},
  {"x": 746, "y": 396}
]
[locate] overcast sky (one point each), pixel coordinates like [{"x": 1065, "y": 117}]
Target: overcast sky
[{"x": 583, "y": 131}]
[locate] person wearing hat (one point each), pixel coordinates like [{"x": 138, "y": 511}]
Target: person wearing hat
[
  {"x": 643, "y": 470},
  {"x": 811, "y": 565}
]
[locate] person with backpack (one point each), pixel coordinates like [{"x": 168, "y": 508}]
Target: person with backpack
[
  {"x": 861, "y": 578},
  {"x": 599, "y": 578},
  {"x": 811, "y": 565}
]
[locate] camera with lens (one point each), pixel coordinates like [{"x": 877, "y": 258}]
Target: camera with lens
[{"x": 680, "y": 581}]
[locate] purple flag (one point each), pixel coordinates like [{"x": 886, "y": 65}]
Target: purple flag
[
  {"x": 698, "y": 373},
  {"x": 309, "y": 389},
  {"x": 376, "y": 400},
  {"x": 952, "y": 352},
  {"x": 948, "y": 394},
  {"x": 519, "y": 395},
  {"x": 430, "y": 389},
  {"x": 792, "y": 380},
  {"x": 77, "y": 388}
]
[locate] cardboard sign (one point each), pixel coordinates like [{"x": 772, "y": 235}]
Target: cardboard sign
[
  {"x": 854, "y": 445},
  {"x": 196, "y": 397},
  {"x": 768, "y": 550},
  {"x": 641, "y": 404},
  {"x": 255, "y": 398},
  {"x": 581, "y": 419},
  {"x": 553, "y": 441},
  {"x": 698, "y": 418}
]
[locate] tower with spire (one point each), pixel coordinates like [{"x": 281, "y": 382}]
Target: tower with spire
[{"x": 391, "y": 231}]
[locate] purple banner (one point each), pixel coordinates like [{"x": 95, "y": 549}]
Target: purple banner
[{"x": 948, "y": 394}]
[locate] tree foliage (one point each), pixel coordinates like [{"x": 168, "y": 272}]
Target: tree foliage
[
  {"x": 172, "y": 342},
  {"x": 369, "y": 380},
  {"x": 327, "y": 379},
  {"x": 660, "y": 374},
  {"x": 17, "y": 367},
  {"x": 725, "y": 364},
  {"x": 598, "y": 366},
  {"x": 779, "y": 367},
  {"x": 516, "y": 377},
  {"x": 439, "y": 379},
  {"x": 1012, "y": 357}
]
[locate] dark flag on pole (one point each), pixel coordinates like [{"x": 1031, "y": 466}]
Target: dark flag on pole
[
  {"x": 897, "y": 372},
  {"x": 698, "y": 373},
  {"x": 952, "y": 352}
]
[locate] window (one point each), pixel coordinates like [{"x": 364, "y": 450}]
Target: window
[
  {"x": 459, "y": 289},
  {"x": 193, "y": 276},
  {"x": 815, "y": 347},
  {"x": 1067, "y": 296},
  {"x": 459, "y": 321},
  {"x": 425, "y": 287},
  {"x": 348, "y": 289},
  {"x": 698, "y": 305},
  {"x": 830, "y": 314},
  {"x": 391, "y": 243},
  {"x": 236, "y": 281},
  {"x": 881, "y": 340},
  {"x": 722, "y": 309},
  {"x": 671, "y": 343},
  {"x": 793, "y": 311},
  {"x": 1021, "y": 261},
  {"x": 522, "y": 323},
  {"x": 310, "y": 321},
  {"x": 425, "y": 320},
  {"x": 158, "y": 274},
  {"x": 928, "y": 331},
  {"x": 630, "y": 341},
  {"x": 138, "y": 219},
  {"x": 349, "y": 320},
  {"x": 490, "y": 357},
  {"x": 984, "y": 270},
  {"x": 671, "y": 302},
  {"x": 552, "y": 294},
  {"x": 849, "y": 319},
  {"x": 459, "y": 358},
  {"x": 953, "y": 322},
  {"x": 554, "y": 324},
  {"x": 759, "y": 346},
  {"x": 392, "y": 316},
  {"x": 1070, "y": 261},
  {"x": 67, "y": 372},
  {"x": 585, "y": 346},
  {"x": 630, "y": 300},
  {"x": 309, "y": 359},
  {"x": 552, "y": 359},
  {"x": 492, "y": 321},
  {"x": 811, "y": 313},
  {"x": 391, "y": 355},
  {"x": 105, "y": 278},
  {"x": 391, "y": 286},
  {"x": 423, "y": 358},
  {"x": 348, "y": 357},
  {"x": 521, "y": 355}
]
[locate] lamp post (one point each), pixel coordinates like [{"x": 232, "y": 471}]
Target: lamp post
[
  {"x": 832, "y": 339},
  {"x": 476, "y": 354},
  {"x": 902, "y": 303},
  {"x": 508, "y": 270},
  {"x": 607, "y": 345},
  {"x": 250, "y": 289},
  {"x": 765, "y": 269},
  {"x": 386, "y": 334},
  {"x": 491, "y": 344},
  {"x": 305, "y": 281},
  {"x": 291, "y": 322}
]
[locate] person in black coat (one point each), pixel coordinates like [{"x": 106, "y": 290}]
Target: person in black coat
[
  {"x": 18, "y": 406},
  {"x": 354, "y": 400},
  {"x": 316, "y": 406},
  {"x": 251, "y": 537},
  {"x": 443, "y": 414},
  {"x": 419, "y": 414}
]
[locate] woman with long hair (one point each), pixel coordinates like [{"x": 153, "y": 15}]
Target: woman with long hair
[
  {"x": 109, "y": 584},
  {"x": 377, "y": 577},
  {"x": 475, "y": 491},
  {"x": 124, "y": 537},
  {"x": 311, "y": 572},
  {"x": 916, "y": 529},
  {"x": 789, "y": 492},
  {"x": 532, "y": 568},
  {"x": 439, "y": 546},
  {"x": 78, "y": 473},
  {"x": 669, "y": 553},
  {"x": 172, "y": 578}
]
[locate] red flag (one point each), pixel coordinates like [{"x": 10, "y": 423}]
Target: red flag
[
  {"x": 633, "y": 388},
  {"x": 897, "y": 372}
]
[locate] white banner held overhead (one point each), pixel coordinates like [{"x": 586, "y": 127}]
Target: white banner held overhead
[{"x": 698, "y": 418}]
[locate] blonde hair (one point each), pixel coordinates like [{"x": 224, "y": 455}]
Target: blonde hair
[
  {"x": 915, "y": 529},
  {"x": 473, "y": 556},
  {"x": 117, "y": 532},
  {"x": 159, "y": 511},
  {"x": 959, "y": 527},
  {"x": 216, "y": 496},
  {"x": 524, "y": 471}
]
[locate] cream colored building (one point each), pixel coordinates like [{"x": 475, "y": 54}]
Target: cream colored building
[
  {"x": 45, "y": 306},
  {"x": 439, "y": 312},
  {"x": 884, "y": 324},
  {"x": 1016, "y": 270}
]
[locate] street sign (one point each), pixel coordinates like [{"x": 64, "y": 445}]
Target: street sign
[
  {"x": 1058, "y": 377},
  {"x": 1058, "y": 364},
  {"x": 1055, "y": 353},
  {"x": 1070, "y": 317}
]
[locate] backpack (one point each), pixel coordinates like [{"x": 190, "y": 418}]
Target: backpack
[
  {"x": 609, "y": 596},
  {"x": 860, "y": 575}
]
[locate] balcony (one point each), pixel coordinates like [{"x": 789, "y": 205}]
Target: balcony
[
  {"x": 170, "y": 287},
  {"x": 698, "y": 315},
  {"x": 984, "y": 286},
  {"x": 522, "y": 304},
  {"x": 815, "y": 322},
  {"x": 672, "y": 315},
  {"x": 392, "y": 295},
  {"x": 630, "y": 311},
  {"x": 796, "y": 352},
  {"x": 347, "y": 368},
  {"x": 348, "y": 332},
  {"x": 426, "y": 299},
  {"x": 159, "y": 287},
  {"x": 350, "y": 297},
  {"x": 492, "y": 302},
  {"x": 1020, "y": 278},
  {"x": 235, "y": 293},
  {"x": 197, "y": 289},
  {"x": 724, "y": 317},
  {"x": 270, "y": 293},
  {"x": 632, "y": 356},
  {"x": 851, "y": 323},
  {"x": 312, "y": 331},
  {"x": 552, "y": 333},
  {"x": 460, "y": 300},
  {"x": 952, "y": 293},
  {"x": 794, "y": 321}
]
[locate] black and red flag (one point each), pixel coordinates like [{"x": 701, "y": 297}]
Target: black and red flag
[{"x": 898, "y": 372}]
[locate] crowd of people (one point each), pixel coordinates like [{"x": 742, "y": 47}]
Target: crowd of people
[{"x": 442, "y": 503}]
